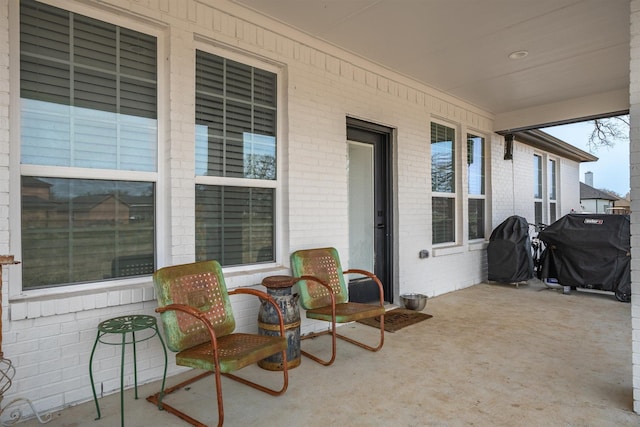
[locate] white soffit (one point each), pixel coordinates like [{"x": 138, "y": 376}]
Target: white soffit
[{"x": 576, "y": 48}]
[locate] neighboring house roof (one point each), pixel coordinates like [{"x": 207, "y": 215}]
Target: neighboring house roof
[
  {"x": 89, "y": 202},
  {"x": 29, "y": 181},
  {"x": 35, "y": 202},
  {"x": 543, "y": 141},
  {"x": 587, "y": 192},
  {"x": 136, "y": 201}
]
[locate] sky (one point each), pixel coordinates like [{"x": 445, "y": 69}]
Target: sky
[{"x": 611, "y": 171}]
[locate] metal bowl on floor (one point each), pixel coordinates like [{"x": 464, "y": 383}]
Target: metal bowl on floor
[{"x": 414, "y": 301}]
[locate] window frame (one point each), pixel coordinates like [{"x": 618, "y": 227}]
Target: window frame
[
  {"x": 553, "y": 188},
  {"x": 18, "y": 170},
  {"x": 280, "y": 246},
  {"x": 545, "y": 201},
  {"x": 539, "y": 181},
  {"x": 455, "y": 195},
  {"x": 485, "y": 177}
]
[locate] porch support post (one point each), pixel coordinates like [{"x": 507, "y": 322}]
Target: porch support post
[{"x": 634, "y": 103}]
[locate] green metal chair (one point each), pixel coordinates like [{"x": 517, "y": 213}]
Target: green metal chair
[
  {"x": 324, "y": 296},
  {"x": 198, "y": 325}
]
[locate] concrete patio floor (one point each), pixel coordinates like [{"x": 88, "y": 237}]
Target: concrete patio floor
[{"x": 492, "y": 355}]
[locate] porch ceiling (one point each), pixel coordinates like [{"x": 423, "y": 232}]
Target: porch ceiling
[{"x": 577, "y": 66}]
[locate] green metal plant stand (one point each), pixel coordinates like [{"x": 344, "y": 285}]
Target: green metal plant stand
[{"x": 124, "y": 325}]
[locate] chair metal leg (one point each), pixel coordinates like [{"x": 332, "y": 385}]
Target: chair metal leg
[
  {"x": 164, "y": 374},
  {"x": 157, "y": 398},
  {"x": 334, "y": 334},
  {"x": 273, "y": 392},
  {"x": 363, "y": 345}
]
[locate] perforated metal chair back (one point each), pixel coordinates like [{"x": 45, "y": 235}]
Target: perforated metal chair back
[
  {"x": 323, "y": 263},
  {"x": 199, "y": 285}
]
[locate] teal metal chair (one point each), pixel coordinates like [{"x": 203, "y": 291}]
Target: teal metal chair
[
  {"x": 324, "y": 296},
  {"x": 198, "y": 325}
]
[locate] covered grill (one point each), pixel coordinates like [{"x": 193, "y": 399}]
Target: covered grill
[
  {"x": 589, "y": 251},
  {"x": 509, "y": 251}
]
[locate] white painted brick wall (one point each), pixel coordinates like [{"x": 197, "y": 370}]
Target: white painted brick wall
[
  {"x": 569, "y": 187},
  {"x": 4, "y": 151},
  {"x": 49, "y": 338},
  {"x": 634, "y": 101},
  {"x": 512, "y": 183},
  {"x": 514, "y": 200}
]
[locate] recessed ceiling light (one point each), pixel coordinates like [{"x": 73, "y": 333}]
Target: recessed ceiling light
[{"x": 518, "y": 54}]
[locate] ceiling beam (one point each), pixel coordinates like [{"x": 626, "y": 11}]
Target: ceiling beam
[{"x": 600, "y": 105}]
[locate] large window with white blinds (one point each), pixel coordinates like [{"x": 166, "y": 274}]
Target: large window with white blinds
[
  {"x": 236, "y": 173},
  {"x": 443, "y": 183},
  {"x": 88, "y": 126}
]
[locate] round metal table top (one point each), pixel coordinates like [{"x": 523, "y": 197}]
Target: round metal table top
[{"x": 125, "y": 324}]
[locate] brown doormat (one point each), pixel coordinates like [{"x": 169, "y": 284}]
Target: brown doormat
[{"x": 396, "y": 319}]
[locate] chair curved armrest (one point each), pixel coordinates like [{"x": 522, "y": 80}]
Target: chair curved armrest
[
  {"x": 371, "y": 276},
  {"x": 263, "y": 296},
  {"x": 359, "y": 271},
  {"x": 183, "y": 308}
]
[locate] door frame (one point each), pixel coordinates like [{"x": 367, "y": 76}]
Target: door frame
[{"x": 363, "y": 131}]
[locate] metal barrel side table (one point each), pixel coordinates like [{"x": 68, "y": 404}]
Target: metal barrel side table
[{"x": 279, "y": 287}]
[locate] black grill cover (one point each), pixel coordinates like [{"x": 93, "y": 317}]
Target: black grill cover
[
  {"x": 509, "y": 251},
  {"x": 589, "y": 251}
]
